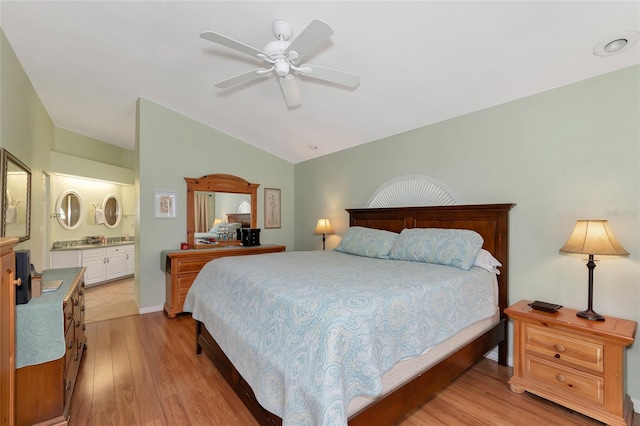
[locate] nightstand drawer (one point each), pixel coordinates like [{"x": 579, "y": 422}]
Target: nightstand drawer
[
  {"x": 571, "y": 382},
  {"x": 569, "y": 350}
]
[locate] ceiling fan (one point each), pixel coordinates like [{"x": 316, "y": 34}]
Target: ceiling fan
[{"x": 284, "y": 58}]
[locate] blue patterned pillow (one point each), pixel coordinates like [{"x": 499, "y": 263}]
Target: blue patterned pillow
[
  {"x": 367, "y": 242},
  {"x": 452, "y": 247}
]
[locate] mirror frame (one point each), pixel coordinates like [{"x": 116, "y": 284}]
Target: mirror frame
[
  {"x": 5, "y": 158},
  {"x": 118, "y": 211},
  {"x": 219, "y": 183},
  {"x": 61, "y": 197}
]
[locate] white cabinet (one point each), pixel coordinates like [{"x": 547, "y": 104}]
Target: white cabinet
[
  {"x": 106, "y": 263},
  {"x": 65, "y": 259},
  {"x": 130, "y": 259},
  {"x": 115, "y": 262},
  {"x": 95, "y": 260}
]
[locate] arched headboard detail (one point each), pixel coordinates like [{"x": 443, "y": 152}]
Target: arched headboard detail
[{"x": 413, "y": 190}]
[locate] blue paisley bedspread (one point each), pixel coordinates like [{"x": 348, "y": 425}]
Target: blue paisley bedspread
[{"x": 309, "y": 331}]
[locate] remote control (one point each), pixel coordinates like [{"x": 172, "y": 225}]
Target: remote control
[{"x": 545, "y": 306}]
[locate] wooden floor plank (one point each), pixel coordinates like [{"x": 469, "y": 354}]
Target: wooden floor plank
[{"x": 144, "y": 368}]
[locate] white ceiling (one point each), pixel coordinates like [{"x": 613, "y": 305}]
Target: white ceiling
[{"x": 420, "y": 62}]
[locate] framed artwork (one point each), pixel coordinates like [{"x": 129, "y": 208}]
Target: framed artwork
[
  {"x": 164, "y": 204},
  {"x": 271, "y": 208}
]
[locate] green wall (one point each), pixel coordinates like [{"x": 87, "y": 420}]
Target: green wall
[
  {"x": 170, "y": 147},
  {"x": 567, "y": 154},
  {"x": 26, "y": 131}
]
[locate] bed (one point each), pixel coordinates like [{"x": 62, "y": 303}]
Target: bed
[{"x": 382, "y": 403}]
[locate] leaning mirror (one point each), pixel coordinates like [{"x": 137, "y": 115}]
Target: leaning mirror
[
  {"x": 210, "y": 186},
  {"x": 69, "y": 210},
  {"x": 111, "y": 209},
  {"x": 16, "y": 197}
]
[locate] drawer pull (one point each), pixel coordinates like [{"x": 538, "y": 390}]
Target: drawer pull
[
  {"x": 75, "y": 356},
  {"x": 76, "y": 302},
  {"x": 557, "y": 356},
  {"x": 70, "y": 344},
  {"x": 79, "y": 345},
  {"x": 80, "y": 292},
  {"x": 559, "y": 348},
  {"x": 84, "y": 327},
  {"x": 68, "y": 385},
  {"x": 69, "y": 315},
  {"x": 78, "y": 323},
  {"x": 82, "y": 308},
  {"x": 560, "y": 378}
]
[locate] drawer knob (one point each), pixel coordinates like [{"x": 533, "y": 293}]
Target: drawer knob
[
  {"x": 75, "y": 356},
  {"x": 560, "y": 378},
  {"x": 76, "y": 302},
  {"x": 68, "y": 385},
  {"x": 557, "y": 356},
  {"x": 77, "y": 323},
  {"x": 69, "y": 315},
  {"x": 70, "y": 344},
  {"x": 559, "y": 348}
]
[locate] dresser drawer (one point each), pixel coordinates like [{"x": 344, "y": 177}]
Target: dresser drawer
[
  {"x": 67, "y": 307},
  {"x": 70, "y": 346},
  {"x": 571, "y": 382},
  {"x": 188, "y": 265},
  {"x": 570, "y": 351}
]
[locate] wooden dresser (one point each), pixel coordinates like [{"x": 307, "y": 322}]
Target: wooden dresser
[
  {"x": 45, "y": 386},
  {"x": 7, "y": 331},
  {"x": 572, "y": 361},
  {"x": 181, "y": 268}
]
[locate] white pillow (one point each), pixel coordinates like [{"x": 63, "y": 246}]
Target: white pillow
[{"x": 486, "y": 261}]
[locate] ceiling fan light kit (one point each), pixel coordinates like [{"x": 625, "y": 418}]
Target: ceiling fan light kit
[{"x": 283, "y": 58}]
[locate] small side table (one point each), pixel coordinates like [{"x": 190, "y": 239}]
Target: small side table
[{"x": 572, "y": 361}]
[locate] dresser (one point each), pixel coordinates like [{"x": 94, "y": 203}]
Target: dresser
[
  {"x": 7, "y": 331},
  {"x": 50, "y": 342},
  {"x": 572, "y": 361},
  {"x": 182, "y": 266}
]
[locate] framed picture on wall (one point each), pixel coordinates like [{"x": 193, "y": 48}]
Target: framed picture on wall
[
  {"x": 271, "y": 208},
  {"x": 164, "y": 204}
]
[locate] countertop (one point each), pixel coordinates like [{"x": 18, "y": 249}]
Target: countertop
[{"x": 91, "y": 246}]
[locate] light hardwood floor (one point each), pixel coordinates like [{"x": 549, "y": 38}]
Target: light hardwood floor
[
  {"x": 143, "y": 370},
  {"x": 115, "y": 299}
]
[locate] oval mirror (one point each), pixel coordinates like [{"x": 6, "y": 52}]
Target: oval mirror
[
  {"x": 69, "y": 210},
  {"x": 111, "y": 209}
]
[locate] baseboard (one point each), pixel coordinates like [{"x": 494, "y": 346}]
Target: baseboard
[
  {"x": 493, "y": 355},
  {"x": 150, "y": 309}
]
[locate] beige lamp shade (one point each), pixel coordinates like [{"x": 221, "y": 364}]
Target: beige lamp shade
[
  {"x": 593, "y": 237},
  {"x": 323, "y": 227},
  {"x": 216, "y": 221}
]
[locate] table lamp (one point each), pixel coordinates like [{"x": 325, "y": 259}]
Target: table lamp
[
  {"x": 592, "y": 237},
  {"x": 323, "y": 227}
]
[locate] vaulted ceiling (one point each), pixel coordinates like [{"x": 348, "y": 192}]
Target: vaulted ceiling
[{"x": 420, "y": 62}]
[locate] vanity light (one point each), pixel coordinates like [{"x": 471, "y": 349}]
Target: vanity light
[{"x": 617, "y": 43}]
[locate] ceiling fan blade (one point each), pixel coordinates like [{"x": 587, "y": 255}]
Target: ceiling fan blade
[
  {"x": 241, "y": 78},
  {"x": 342, "y": 78},
  {"x": 290, "y": 90},
  {"x": 316, "y": 33},
  {"x": 233, "y": 44}
]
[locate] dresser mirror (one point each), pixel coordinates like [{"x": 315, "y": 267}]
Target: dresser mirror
[
  {"x": 16, "y": 197},
  {"x": 111, "y": 208},
  {"x": 69, "y": 210},
  {"x": 211, "y": 184}
]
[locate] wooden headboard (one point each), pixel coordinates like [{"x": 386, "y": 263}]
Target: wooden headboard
[
  {"x": 243, "y": 218},
  {"x": 491, "y": 221}
]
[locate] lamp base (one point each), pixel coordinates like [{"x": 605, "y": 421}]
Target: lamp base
[{"x": 590, "y": 314}]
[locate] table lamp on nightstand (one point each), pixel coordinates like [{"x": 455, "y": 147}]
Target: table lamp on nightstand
[
  {"x": 323, "y": 227},
  {"x": 592, "y": 237}
]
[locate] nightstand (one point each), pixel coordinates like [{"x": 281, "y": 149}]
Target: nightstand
[{"x": 572, "y": 361}]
